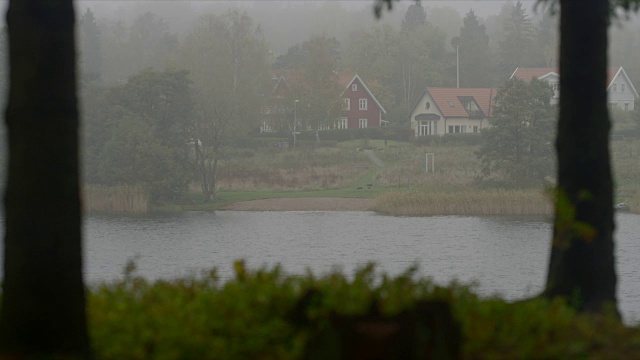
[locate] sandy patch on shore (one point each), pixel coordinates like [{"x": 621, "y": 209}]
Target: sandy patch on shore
[{"x": 304, "y": 204}]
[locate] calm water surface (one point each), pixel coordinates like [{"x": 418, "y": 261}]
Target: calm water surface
[{"x": 503, "y": 255}]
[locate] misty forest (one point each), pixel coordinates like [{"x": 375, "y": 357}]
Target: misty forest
[{"x": 320, "y": 179}]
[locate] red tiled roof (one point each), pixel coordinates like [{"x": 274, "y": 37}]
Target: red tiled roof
[
  {"x": 446, "y": 99},
  {"x": 527, "y": 74}
]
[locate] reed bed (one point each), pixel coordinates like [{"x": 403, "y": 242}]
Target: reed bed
[
  {"x": 467, "y": 202},
  {"x": 129, "y": 199}
]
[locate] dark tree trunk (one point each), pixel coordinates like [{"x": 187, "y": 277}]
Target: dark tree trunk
[
  {"x": 582, "y": 265},
  {"x": 43, "y": 300}
]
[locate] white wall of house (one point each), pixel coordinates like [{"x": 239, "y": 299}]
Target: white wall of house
[
  {"x": 554, "y": 81},
  {"x": 437, "y": 127},
  {"x": 620, "y": 93},
  {"x": 444, "y": 125}
]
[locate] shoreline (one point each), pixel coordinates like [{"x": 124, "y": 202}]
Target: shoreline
[{"x": 304, "y": 204}]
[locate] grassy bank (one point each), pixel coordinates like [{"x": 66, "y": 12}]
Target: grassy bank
[
  {"x": 253, "y": 316},
  {"x": 401, "y": 185}
]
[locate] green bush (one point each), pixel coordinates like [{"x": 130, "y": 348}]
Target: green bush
[{"x": 249, "y": 317}]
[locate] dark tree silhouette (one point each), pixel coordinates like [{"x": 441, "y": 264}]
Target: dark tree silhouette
[
  {"x": 43, "y": 299},
  {"x": 414, "y": 17},
  {"x": 582, "y": 265}
]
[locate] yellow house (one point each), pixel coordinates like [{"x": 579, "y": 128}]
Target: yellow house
[{"x": 452, "y": 110}]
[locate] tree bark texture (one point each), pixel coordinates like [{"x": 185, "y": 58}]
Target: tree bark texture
[
  {"x": 43, "y": 300},
  {"x": 582, "y": 264}
]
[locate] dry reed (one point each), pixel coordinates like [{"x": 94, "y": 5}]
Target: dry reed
[
  {"x": 130, "y": 199},
  {"x": 468, "y": 202}
]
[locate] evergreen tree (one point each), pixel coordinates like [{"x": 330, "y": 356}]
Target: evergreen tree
[
  {"x": 474, "y": 53},
  {"x": 90, "y": 57},
  {"x": 414, "y": 17},
  {"x": 515, "y": 48},
  {"x": 547, "y": 40}
]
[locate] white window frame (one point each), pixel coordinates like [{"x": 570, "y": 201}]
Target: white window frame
[
  {"x": 424, "y": 128},
  {"x": 343, "y": 123},
  {"x": 346, "y": 104},
  {"x": 362, "y": 104},
  {"x": 362, "y": 122},
  {"x": 354, "y": 87}
]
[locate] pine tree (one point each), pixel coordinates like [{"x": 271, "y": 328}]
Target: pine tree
[
  {"x": 90, "y": 56},
  {"x": 474, "y": 53},
  {"x": 515, "y": 48},
  {"x": 414, "y": 17}
]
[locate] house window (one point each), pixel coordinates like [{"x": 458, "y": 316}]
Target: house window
[
  {"x": 457, "y": 129},
  {"x": 626, "y": 106},
  {"x": 475, "y": 129},
  {"x": 622, "y": 87},
  {"x": 614, "y": 88},
  {"x": 424, "y": 128},
  {"x": 354, "y": 87},
  {"x": 363, "y": 123},
  {"x": 363, "y": 104},
  {"x": 346, "y": 104},
  {"x": 342, "y": 123}
]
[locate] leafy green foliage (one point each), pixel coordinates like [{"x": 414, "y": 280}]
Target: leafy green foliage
[
  {"x": 250, "y": 316},
  {"x": 518, "y": 145},
  {"x": 136, "y": 133}
]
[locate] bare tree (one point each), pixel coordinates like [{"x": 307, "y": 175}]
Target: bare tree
[{"x": 227, "y": 59}]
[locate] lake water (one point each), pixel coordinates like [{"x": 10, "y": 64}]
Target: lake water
[{"x": 504, "y": 255}]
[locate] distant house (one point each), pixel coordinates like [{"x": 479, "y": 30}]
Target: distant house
[
  {"x": 277, "y": 110},
  {"x": 360, "y": 108},
  {"x": 452, "y": 110},
  {"x": 621, "y": 92}
]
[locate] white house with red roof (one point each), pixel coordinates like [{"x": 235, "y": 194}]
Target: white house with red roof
[
  {"x": 621, "y": 92},
  {"x": 452, "y": 110},
  {"x": 360, "y": 108}
]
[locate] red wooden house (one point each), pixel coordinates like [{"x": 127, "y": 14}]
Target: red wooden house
[{"x": 360, "y": 108}]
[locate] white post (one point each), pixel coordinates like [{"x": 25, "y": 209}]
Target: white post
[
  {"x": 433, "y": 163},
  {"x": 295, "y": 121}
]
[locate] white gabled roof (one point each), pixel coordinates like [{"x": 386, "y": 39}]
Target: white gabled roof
[{"x": 623, "y": 73}]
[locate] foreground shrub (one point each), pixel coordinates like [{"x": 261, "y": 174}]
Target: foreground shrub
[{"x": 250, "y": 317}]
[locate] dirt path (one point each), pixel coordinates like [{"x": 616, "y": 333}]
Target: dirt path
[
  {"x": 304, "y": 204},
  {"x": 373, "y": 157}
]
